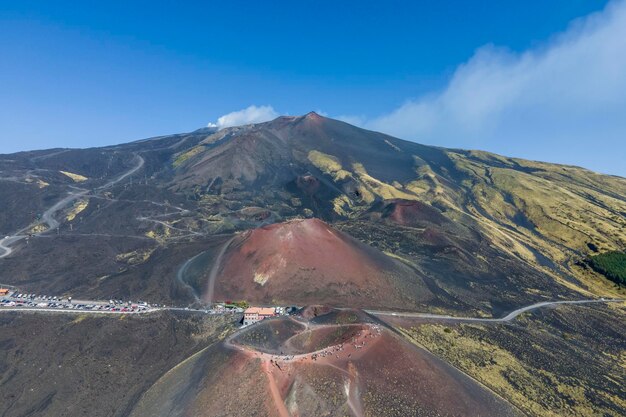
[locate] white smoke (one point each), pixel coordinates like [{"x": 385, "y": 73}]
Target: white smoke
[{"x": 252, "y": 114}]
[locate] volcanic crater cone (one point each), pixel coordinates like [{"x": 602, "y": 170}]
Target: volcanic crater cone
[
  {"x": 347, "y": 364},
  {"x": 306, "y": 261}
]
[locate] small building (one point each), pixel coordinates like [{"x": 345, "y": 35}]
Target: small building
[
  {"x": 4, "y": 291},
  {"x": 255, "y": 314}
]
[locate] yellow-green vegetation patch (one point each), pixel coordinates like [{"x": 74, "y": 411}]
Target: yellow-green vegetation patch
[
  {"x": 536, "y": 391},
  {"x": 261, "y": 278},
  {"x": 342, "y": 205},
  {"x": 492, "y": 157},
  {"x": 180, "y": 158},
  {"x": 135, "y": 257},
  {"x": 74, "y": 177},
  {"x": 328, "y": 164},
  {"x": 428, "y": 186},
  {"x": 379, "y": 188},
  {"x": 160, "y": 235},
  {"x": 426, "y": 183},
  {"x": 37, "y": 181},
  {"x": 557, "y": 210},
  {"x": 323, "y": 161},
  {"x": 80, "y": 318},
  {"x": 401, "y": 259},
  {"x": 563, "y": 207},
  {"x": 367, "y": 187},
  {"x": 38, "y": 228},
  {"x": 78, "y": 207}
]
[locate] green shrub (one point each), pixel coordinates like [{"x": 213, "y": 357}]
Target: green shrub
[{"x": 612, "y": 265}]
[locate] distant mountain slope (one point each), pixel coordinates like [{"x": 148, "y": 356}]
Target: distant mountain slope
[
  {"x": 470, "y": 231},
  {"x": 545, "y": 216}
]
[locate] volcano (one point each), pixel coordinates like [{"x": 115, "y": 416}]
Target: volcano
[
  {"x": 307, "y": 210},
  {"x": 374, "y": 218},
  {"x": 321, "y": 367},
  {"x": 307, "y": 261}
]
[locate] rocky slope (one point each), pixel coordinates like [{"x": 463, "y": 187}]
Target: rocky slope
[
  {"x": 308, "y": 210},
  {"x": 471, "y": 206},
  {"x": 467, "y": 230},
  {"x": 306, "y": 262},
  {"x": 318, "y": 369},
  {"x": 77, "y": 365}
]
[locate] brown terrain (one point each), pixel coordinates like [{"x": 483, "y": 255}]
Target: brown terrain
[
  {"x": 563, "y": 361},
  {"x": 312, "y": 211},
  {"x": 298, "y": 367},
  {"x": 78, "y": 365},
  {"x": 467, "y": 231},
  {"x": 307, "y": 261}
]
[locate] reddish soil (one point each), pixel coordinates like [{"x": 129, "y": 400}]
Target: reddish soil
[
  {"x": 321, "y": 337},
  {"x": 253, "y": 213},
  {"x": 435, "y": 237},
  {"x": 308, "y": 183},
  {"x": 310, "y": 312},
  {"x": 358, "y": 369},
  {"x": 306, "y": 262},
  {"x": 270, "y": 335},
  {"x": 412, "y": 213},
  {"x": 365, "y": 369}
]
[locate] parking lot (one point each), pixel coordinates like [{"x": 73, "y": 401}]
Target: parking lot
[{"x": 16, "y": 300}]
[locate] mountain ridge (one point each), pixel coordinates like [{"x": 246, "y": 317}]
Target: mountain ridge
[
  {"x": 308, "y": 211},
  {"x": 538, "y": 220}
]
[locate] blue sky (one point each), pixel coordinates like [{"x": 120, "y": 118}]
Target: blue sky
[{"x": 503, "y": 76}]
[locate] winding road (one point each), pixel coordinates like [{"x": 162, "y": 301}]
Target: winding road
[
  {"x": 48, "y": 217},
  {"x": 439, "y": 317},
  {"x": 180, "y": 275},
  {"x": 139, "y": 164},
  {"x": 214, "y": 270},
  {"x": 512, "y": 315},
  {"x": 6, "y": 241}
]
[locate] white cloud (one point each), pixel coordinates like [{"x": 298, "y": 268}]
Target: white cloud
[
  {"x": 568, "y": 96},
  {"x": 252, "y": 114},
  {"x": 564, "y": 101}
]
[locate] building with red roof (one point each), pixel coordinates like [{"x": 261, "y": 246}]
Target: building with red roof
[{"x": 255, "y": 314}]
